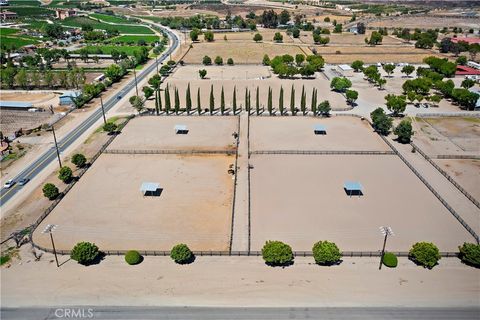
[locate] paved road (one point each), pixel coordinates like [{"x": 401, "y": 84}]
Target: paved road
[
  {"x": 50, "y": 155},
  {"x": 187, "y": 313}
]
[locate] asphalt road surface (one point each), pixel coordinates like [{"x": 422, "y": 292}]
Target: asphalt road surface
[
  {"x": 50, "y": 155},
  {"x": 187, "y": 313}
]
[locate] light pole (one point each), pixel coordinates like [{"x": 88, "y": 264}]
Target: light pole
[
  {"x": 49, "y": 229},
  {"x": 135, "y": 75},
  {"x": 386, "y": 231},
  {"x": 156, "y": 63},
  {"x": 55, "y": 140},
  {"x": 103, "y": 111}
]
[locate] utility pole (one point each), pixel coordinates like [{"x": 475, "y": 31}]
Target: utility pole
[
  {"x": 49, "y": 229},
  {"x": 55, "y": 140},
  {"x": 103, "y": 111},
  {"x": 135, "y": 75},
  {"x": 156, "y": 63},
  {"x": 386, "y": 231}
]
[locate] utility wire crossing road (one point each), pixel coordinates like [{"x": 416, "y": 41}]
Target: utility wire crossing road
[{"x": 50, "y": 155}]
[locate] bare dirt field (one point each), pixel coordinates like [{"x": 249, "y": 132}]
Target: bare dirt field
[
  {"x": 34, "y": 98},
  {"x": 465, "y": 172},
  {"x": 301, "y": 200},
  {"x": 296, "y": 133},
  {"x": 448, "y": 135},
  {"x": 107, "y": 207},
  {"x": 248, "y": 36},
  {"x": 349, "y": 39},
  {"x": 157, "y": 133},
  {"x": 240, "y": 52},
  {"x": 251, "y": 77},
  {"x": 425, "y": 22}
]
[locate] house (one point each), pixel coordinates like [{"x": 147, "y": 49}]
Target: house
[
  {"x": 469, "y": 40},
  {"x": 8, "y": 15},
  {"x": 62, "y": 14},
  {"x": 68, "y": 97},
  {"x": 466, "y": 71}
]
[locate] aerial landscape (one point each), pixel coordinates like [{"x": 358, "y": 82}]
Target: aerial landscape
[{"x": 240, "y": 159}]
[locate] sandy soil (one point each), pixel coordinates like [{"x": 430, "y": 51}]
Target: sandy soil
[
  {"x": 424, "y": 22},
  {"x": 28, "y": 97},
  {"x": 194, "y": 206},
  {"x": 465, "y": 172},
  {"x": 238, "y": 281},
  {"x": 157, "y": 133},
  {"x": 234, "y": 76},
  {"x": 306, "y": 203},
  {"x": 296, "y": 133},
  {"x": 348, "y": 39},
  {"x": 248, "y": 36},
  {"x": 240, "y": 52}
]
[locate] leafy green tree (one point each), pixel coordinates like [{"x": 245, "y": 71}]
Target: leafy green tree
[
  {"x": 425, "y": 254},
  {"x": 114, "y": 72},
  {"x": 278, "y": 37},
  {"x": 465, "y": 98},
  {"x": 22, "y": 78},
  {"x": 389, "y": 68},
  {"x": 182, "y": 254},
  {"x": 299, "y": 59},
  {"x": 404, "y": 131},
  {"x": 266, "y": 60},
  {"x": 79, "y": 160},
  {"x": 147, "y": 92},
  {"x": 257, "y": 37},
  {"x": 408, "y": 70},
  {"x": 207, "y": 60},
  {"x": 202, "y": 73},
  {"x": 296, "y": 33},
  {"x": 280, "y": 101},
  {"x": 396, "y": 104},
  {"x": 110, "y": 127},
  {"x": 212, "y": 101},
  {"x": 208, "y": 36},
  {"x": 461, "y": 60},
  {"x": 326, "y": 253},
  {"x": 357, "y": 65},
  {"x": 133, "y": 257},
  {"x": 277, "y": 253},
  {"x": 340, "y": 84},
  {"x": 324, "y": 108},
  {"x": 65, "y": 174},
  {"x": 381, "y": 122},
  {"x": 375, "y": 38},
  {"x": 137, "y": 103},
  {"x": 84, "y": 253},
  {"x": 338, "y": 28},
  {"x": 284, "y": 17},
  {"x": 194, "y": 34},
  {"x": 50, "y": 191},
  {"x": 467, "y": 83},
  {"x": 352, "y": 96},
  {"x": 470, "y": 254},
  {"x": 230, "y": 62},
  {"x": 218, "y": 61}
]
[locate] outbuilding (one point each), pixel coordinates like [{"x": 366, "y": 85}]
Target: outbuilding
[
  {"x": 67, "y": 98},
  {"x": 15, "y": 105},
  {"x": 151, "y": 189},
  {"x": 319, "y": 129},
  {"x": 353, "y": 188},
  {"x": 181, "y": 129}
]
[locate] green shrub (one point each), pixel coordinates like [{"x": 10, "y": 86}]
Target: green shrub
[
  {"x": 277, "y": 253},
  {"x": 133, "y": 257},
  {"x": 326, "y": 253},
  {"x": 84, "y": 253},
  {"x": 390, "y": 260},
  {"x": 79, "y": 160},
  {"x": 50, "y": 191},
  {"x": 470, "y": 254},
  {"x": 65, "y": 174},
  {"x": 425, "y": 254},
  {"x": 182, "y": 254},
  {"x": 4, "y": 259},
  {"x": 110, "y": 127}
]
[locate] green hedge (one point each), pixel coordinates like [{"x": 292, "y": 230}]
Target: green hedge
[
  {"x": 85, "y": 253},
  {"x": 277, "y": 253},
  {"x": 390, "y": 260},
  {"x": 182, "y": 254},
  {"x": 326, "y": 253},
  {"x": 133, "y": 257},
  {"x": 470, "y": 254},
  {"x": 425, "y": 254}
]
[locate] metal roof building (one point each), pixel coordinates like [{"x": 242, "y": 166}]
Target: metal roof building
[
  {"x": 181, "y": 129},
  {"x": 15, "y": 105},
  {"x": 353, "y": 188},
  {"x": 67, "y": 97},
  {"x": 319, "y": 129}
]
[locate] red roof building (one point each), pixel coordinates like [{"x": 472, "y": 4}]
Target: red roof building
[
  {"x": 466, "y": 71},
  {"x": 468, "y": 40}
]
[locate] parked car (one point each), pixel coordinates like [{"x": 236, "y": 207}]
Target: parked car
[
  {"x": 23, "y": 181},
  {"x": 9, "y": 184}
]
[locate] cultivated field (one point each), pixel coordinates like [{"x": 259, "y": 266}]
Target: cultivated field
[
  {"x": 300, "y": 200},
  {"x": 465, "y": 172}
]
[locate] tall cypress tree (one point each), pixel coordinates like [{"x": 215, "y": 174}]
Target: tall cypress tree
[
  {"x": 156, "y": 102},
  {"x": 159, "y": 99},
  {"x": 188, "y": 99},
  {"x": 249, "y": 101},
  {"x": 303, "y": 101},
  {"x": 212, "y": 101},
  {"x": 314, "y": 102},
  {"x": 234, "y": 102},
  {"x": 270, "y": 102},
  {"x": 167, "y": 99},
  {"x": 177, "y": 101},
  {"x": 292, "y": 100},
  {"x": 246, "y": 101},
  {"x": 280, "y": 101},
  {"x": 222, "y": 102},
  {"x": 257, "y": 101},
  {"x": 199, "y": 104}
]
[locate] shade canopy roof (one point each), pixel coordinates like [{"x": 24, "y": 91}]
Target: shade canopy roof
[
  {"x": 149, "y": 187},
  {"x": 319, "y": 127},
  {"x": 352, "y": 186},
  {"x": 180, "y": 127}
]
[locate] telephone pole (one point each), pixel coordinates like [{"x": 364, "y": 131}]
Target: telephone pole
[
  {"x": 135, "y": 75},
  {"x": 49, "y": 229},
  {"x": 386, "y": 231},
  {"x": 55, "y": 140},
  {"x": 103, "y": 111}
]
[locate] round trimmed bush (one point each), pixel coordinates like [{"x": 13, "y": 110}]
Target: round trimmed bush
[
  {"x": 50, "y": 191},
  {"x": 425, "y": 254},
  {"x": 65, "y": 174},
  {"x": 277, "y": 253},
  {"x": 390, "y": 260},
  {"x": 470, "y": 254},
  {"x": 133, "y": 257},
  {"x": 79, "y": 160},
  {"x": 181, "y": 254},
  {"x": 326, "y": 253},
  {"x": 84, "y": 253}
]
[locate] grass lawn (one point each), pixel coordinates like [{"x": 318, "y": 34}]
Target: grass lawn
[
  {"x": 78, "y": 22},
  {"x": 129, "y": 50},
  {"x": 31, "y": 11},
  {"x": 110, "y": 18},
  {"x": 16, "y": 42},
  {"x": 32, "y": 3},
  {"x": 36, "y": 24},
  {"x": 134, "y": 39},
  {"x": 8, "y": 31},
  {"x": 64, "y": 4}
]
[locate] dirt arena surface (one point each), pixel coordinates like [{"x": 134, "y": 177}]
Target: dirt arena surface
[
  {"x": 34, "y": 97},
  {"x": 425, "y": 22},
  {"x": 251, "y": 77},
  {"x": 447, "y": 135},
  {"x": 157, "y": 133},
  {"x": 306, "y": 203},
  {"x": 240, "y": 52},
  {"x": 267, "y": 35},
  {"x": 296, "y": 133},
  {"x": 106, "y": 206},
  {"x": 465, "y": 172},
  {"x": 348, "y": 39}
]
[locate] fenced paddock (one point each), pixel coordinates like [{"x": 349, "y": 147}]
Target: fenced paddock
[
  {"x": 296, "y": 133},
  {"x": 106, "y": 206},
  {"x": 300, "y": 199}
]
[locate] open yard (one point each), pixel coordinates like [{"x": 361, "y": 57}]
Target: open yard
[
  {"x": 300, "y": 199},
  {"x": 78, "y": 22},
  {"x": 465, "y": 172}
]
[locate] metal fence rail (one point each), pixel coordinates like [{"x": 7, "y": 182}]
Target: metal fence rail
[
  {"x": 456, "y": 156},
  {"x": 446, "y": 175},
  {"x": 234, "y": 185},
  {"x": 456, "y": 114},
  {"x": 323, "y": 152},
  {"x": 119, "y": 151}
]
